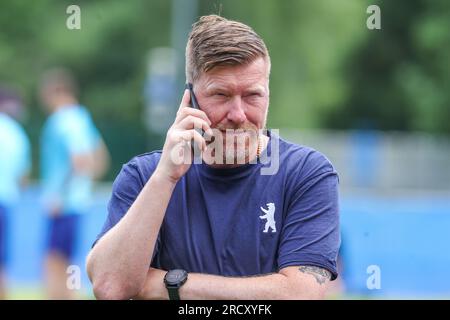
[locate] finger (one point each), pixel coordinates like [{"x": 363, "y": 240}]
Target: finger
[
  {"x": 184, "y": 112},
  {"x": 189, "y": 135},
  {"x": 185, "y": 100},
  {"x": 191, "y": 122}
]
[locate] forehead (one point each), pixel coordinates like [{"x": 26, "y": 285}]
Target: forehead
[{"x": 256, "y": 73}]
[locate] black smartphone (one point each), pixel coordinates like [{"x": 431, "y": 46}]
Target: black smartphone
[{"x": 194, "y": 104}]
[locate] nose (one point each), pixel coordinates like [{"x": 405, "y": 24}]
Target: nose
[{"x": 236, "y": 112}]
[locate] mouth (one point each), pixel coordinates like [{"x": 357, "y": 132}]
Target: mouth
[
  {"x": 239, "y": 138},
  {"x": 239, "y": 131}
]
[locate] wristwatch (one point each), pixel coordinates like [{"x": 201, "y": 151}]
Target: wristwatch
[{"x": 173, "y": 280}]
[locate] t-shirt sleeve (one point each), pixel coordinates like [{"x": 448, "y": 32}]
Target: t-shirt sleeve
[
  {"x": 125, "y": 190},
  {"x": 310, "y": 234},
  {"x": 80, "y": 134}
]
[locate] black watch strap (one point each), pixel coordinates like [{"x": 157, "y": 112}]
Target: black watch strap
[
  {"x": 173, "y": 293},
  {"x": 173, "y": 280}
]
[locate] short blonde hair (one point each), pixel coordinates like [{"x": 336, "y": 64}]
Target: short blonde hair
[{"x": 216, "y": 41}]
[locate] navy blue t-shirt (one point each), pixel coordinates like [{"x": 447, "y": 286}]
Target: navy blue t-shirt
[{"x": 237, "y": 222}]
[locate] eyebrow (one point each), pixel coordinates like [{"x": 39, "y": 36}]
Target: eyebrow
[{"x": 218, "y": 87}]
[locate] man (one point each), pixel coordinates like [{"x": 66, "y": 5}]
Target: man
[
  {"x": 233, "y": 232},
  {"x": 73, "y": 154},
  {"x": 15, "y": 165}
]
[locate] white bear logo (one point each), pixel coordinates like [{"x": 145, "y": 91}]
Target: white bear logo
[{"x": 270, "y": 216}]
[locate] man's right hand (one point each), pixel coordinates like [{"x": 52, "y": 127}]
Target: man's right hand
[{"x": 177, "y": 155}]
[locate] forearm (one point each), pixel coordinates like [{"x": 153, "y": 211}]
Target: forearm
[
  {"x": 290, "y": 283},
  {"x": 101, "y": 162},
  {"x": 121, "y": 258},
  {"x": 201, "y": 286}
]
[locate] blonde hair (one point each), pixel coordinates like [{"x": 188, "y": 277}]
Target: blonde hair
[{"x": 216, "y": 41}]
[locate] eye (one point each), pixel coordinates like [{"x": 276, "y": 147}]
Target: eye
[
  {"x": 253, "y": 95},
  {"x": 220, "y": 95}
]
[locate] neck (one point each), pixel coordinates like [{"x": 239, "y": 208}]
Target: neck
[
  {"x": 62, "y": 102},
  {"x": 253, "y": 156}
]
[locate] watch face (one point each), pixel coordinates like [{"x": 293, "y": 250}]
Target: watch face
[{"x": 175, "y": 277}]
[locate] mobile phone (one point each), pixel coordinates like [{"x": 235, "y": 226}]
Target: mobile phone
[{"x": 194, "y": 104}]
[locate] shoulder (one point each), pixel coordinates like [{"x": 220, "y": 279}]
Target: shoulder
[
  {"x": 84, "y": 114},
  {"x": 139, "y": 168},
  {"x": 71, "y": 118},
  {"x": 13, "y": 130},
  {"x": 304, "y": 160},
  {"x": 146, "y": 161},
  {"x": 76, "y": 115},
  {"x": 9, "y": 124}
]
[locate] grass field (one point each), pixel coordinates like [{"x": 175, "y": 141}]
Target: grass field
[{"x": 38, "y": 293}]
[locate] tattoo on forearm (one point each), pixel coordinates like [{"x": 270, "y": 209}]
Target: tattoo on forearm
[
  {"x": 321, "y": 275},
  {"x": 255, "y": 275}
]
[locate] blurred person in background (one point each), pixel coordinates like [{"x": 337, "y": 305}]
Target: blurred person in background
[
  {"x": 73, "y": 154},
  {"x": 15, "y": 164}
]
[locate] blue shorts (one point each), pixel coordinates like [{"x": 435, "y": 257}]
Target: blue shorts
[
  {"x": 2, "y": 235},
  {"x": 63, "y": 230}
]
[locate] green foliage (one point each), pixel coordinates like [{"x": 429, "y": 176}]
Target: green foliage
[
  {"x": 328, "y": 69},
  {"x": 400, "y": 75}
]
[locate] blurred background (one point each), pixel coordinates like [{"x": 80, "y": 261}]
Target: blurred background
[{"x": 376, "y": 102}]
